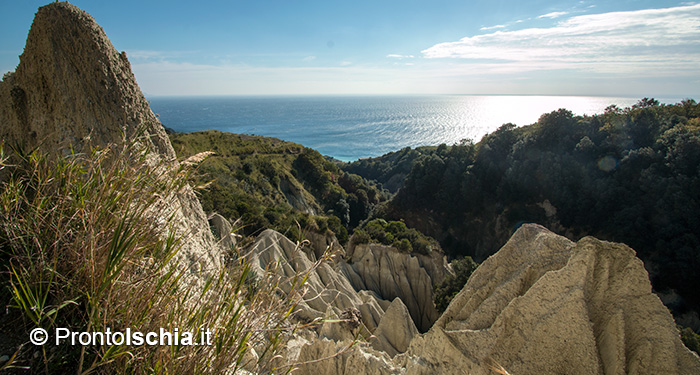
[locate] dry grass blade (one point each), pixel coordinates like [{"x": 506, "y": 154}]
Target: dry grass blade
[{"x": 89, "y": 243}]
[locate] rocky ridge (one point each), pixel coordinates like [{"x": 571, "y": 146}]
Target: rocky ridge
[{"x": 327, "y": 293}]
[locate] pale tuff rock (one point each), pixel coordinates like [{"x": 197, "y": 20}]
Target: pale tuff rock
[
  {"x": 506, "y": 275},
  {"x": 372, "y": 316},
  {"x": 435, "y": 265},
  {"x": 322, "y": 243},
  {"x": 541, "y": 305},
  {"x": 395, "y": 330},
  {"x": 297, "y": 197},
  {"x": 340, "y": 359},
  {"x": 326, "y": 293},
  {"x": 344, "y": 327},
  {"x": 544, "y": 304},
  {"x": 222, "y": 230},
  {"x": 73, "y": 90},
  {"x": 390, "y": 273},
  {"x": 72, "y": 87}
]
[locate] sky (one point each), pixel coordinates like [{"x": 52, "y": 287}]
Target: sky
[{"x": 635, "y": 48}]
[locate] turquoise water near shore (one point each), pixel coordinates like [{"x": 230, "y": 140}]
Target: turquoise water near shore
[{"x": 353, "y": 127}]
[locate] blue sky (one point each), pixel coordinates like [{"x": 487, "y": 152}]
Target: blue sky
[{"x": 630, "y": 48}]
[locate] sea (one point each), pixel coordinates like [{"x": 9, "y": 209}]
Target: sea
[{"x": 349, "y": 128}]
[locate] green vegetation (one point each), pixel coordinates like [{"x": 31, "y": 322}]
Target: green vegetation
[
  {"x": 628, "y": 175},
  {"x": 690, "y": 339},
  {"x": 391, "y": 169},
  {"x": 453, "y": 284},
  {"x": 80, "y": 249},
  {"x": 269, "y": 183},
  {"x": 396, "y": 234}
]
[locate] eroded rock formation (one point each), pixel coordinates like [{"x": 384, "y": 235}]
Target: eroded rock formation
[
  {"x": 73, "y": 90},
  {"x": 544, "y": 304},
  {"x": 391, "y": 273},
  {"x": 541, "y": 305},
  {"x": 72, "y": 87},
  {"x": 327, "y": 293},
  {"x": 395, "y": 330}
]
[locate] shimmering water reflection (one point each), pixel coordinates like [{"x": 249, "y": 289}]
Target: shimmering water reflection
[{"x": 349, "y": 128}]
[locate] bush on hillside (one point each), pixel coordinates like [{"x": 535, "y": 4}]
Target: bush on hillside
[
  {"x": 453, "y": 284},
  {"x": 396, "y": 234}
]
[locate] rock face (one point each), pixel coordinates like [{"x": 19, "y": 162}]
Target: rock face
[
  {"x": 544, "y": 304},
  {"x": 222, "y": 230},
  {"x": 72, "y": 86},
  {"x": 72, "y": 89},
  {"x": 391, "y": 273},
  {"x": 296, "y": 198},
  {"x": 395, "y": 330},
  {"x": 541, "y": 305},
  {"x": 338, "y": 359},
  {"x": 328, "y": 294}
]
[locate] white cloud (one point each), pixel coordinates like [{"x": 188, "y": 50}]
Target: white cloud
[
  {"x": 309, "y": 58},
  {"x": 653, "y": 51},
  {"x": 553, "y": 15},
  {"x": 632, "y": 41},
  {"x": 486, "y": 28}
]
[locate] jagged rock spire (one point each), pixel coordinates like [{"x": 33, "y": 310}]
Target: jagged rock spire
[
  {"x": 73, "y": 89},
  {"x": 71, "y": 86}
]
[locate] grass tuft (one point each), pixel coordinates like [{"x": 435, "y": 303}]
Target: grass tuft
[{"x": 87, "y": 243}]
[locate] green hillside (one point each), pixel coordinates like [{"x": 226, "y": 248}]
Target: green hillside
[{"x": 269, "y": 183}]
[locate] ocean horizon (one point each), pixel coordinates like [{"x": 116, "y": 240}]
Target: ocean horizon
[{"x": 355, "y": 127}]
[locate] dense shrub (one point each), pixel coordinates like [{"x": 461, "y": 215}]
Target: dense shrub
[
  {"x": 396, "y": 234},
  {"x": 690, "y": 339},
  {"x": 453, "y": 284},
  {"x": 264, "y": 181}
]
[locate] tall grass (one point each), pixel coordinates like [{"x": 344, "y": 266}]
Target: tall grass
[{"x": 87, "y": 243}]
